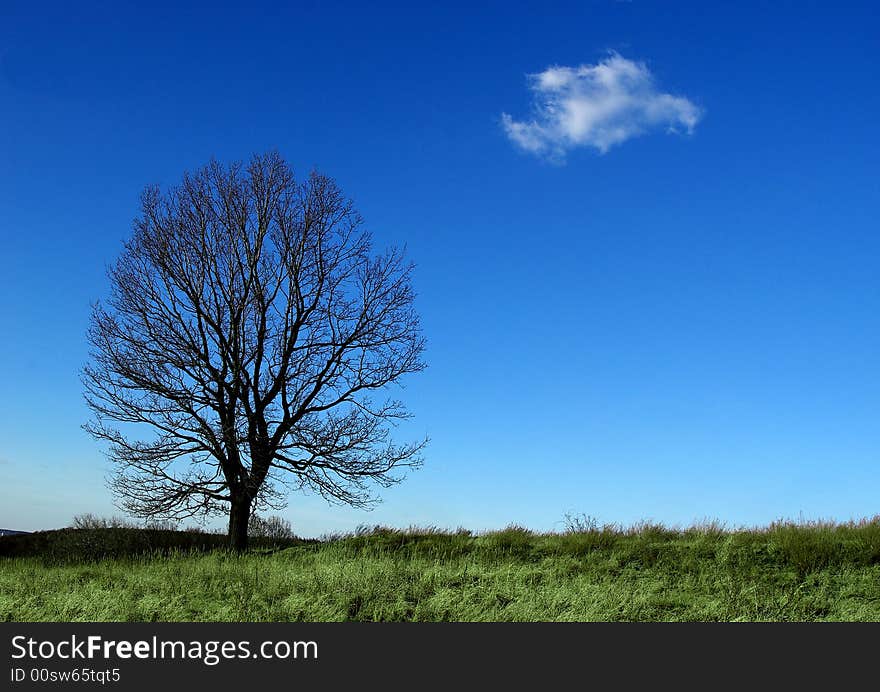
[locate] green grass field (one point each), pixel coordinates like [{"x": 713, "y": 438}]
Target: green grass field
[{"x": 784, "y": 572}]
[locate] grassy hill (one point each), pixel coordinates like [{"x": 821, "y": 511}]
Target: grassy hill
[{"x": 784, "y": 572}]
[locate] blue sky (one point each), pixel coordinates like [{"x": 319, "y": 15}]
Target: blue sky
[{"x": 646, "y": 238}]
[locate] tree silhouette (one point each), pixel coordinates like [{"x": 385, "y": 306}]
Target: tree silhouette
[{"x": 249, "y": 329}]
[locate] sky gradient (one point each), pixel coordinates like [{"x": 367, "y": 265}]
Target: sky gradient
[{"x": 664, "y": 309}]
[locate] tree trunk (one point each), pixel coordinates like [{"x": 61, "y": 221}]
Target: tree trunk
[{"x": 239, "y": 516}]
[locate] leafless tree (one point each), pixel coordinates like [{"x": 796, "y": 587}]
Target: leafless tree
[{"x": 250, "y": 329}]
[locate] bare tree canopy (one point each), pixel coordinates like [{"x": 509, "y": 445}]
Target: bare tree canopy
[{"x": 249, "y": 331}]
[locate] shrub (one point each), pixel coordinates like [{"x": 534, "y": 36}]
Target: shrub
[
  {"x": 92, "y": 521},
  {"x": 579, "y": 523},
  {"x": 273, "y": 528},
  {"x": 86, "y": 545}
]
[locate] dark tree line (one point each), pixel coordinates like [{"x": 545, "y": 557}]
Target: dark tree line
[{"x": 250, "y": 333}]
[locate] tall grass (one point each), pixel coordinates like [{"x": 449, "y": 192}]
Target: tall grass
[{"x": 787, "y": 571}]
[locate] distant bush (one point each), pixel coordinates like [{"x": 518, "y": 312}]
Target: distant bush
[
  {"x": 92, "y": 521},
  {"x": 76, "y": 545},
  {"x": 89, "y": 544},
  {"x": 579, "y": 523},
  {"x": 274, "y": 528}
]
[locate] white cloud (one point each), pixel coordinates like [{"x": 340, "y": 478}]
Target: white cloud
[{"x": 596, "y": 106}]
